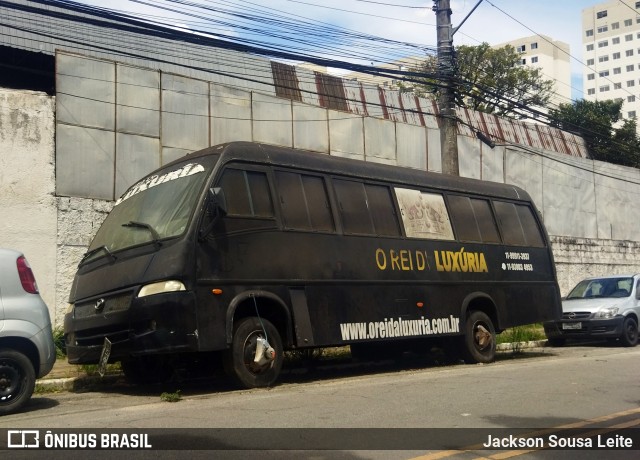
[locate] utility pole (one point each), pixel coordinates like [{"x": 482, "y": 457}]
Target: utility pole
[{"x": 446, "y": 105}]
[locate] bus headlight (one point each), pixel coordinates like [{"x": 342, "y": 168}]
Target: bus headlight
[{"x": 162, "y": 286}]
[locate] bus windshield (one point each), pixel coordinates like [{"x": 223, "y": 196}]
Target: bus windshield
[{"x": 157, "y": 207}]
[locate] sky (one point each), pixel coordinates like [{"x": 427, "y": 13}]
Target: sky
[{"x": 493, "y": 21}]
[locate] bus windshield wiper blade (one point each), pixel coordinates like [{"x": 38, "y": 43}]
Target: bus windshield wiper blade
[
  {"x": 95, "y": 251},
  {"x": 154, "y": 233}
]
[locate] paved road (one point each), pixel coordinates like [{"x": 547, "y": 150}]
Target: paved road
[{"x": 581, "y": 387}]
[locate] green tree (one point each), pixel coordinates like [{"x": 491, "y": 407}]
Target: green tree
[
  {"x": 490, "y": 80},
  {"x": 599, "y": 123}
]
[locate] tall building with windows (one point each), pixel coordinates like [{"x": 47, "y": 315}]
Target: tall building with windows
[
  {"x": 552, "y": 58},
  {"x": 611, "y": 41}
]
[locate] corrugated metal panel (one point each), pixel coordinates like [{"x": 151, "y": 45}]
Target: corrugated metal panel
[
  {"x": 230, "y": 110},
  {"x": 185, "y": 112},
  {"x": 285, "y": 81},
  {"x": 85, "y": 162},
  {"x": 135, "y": 157},
  {"x": 272, "y": 120},
  {"x": 310, "y": 128},
  {"x": 380, "y": 139},
  {"x": 138, "y": 101},
  {"x": 331, "y": 92},
  {"x": 371, "y": 97},
  {"x": 411, "y": 146},
  {"x": 86, "y": 92},
  {"x": 37, "y": 32},
  {"x": 355, "y": 100},
  {"x": 346, "y": 134}
]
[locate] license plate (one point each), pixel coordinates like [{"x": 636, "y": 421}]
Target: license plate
[
  {"x": 571, "y": 326},
  {"x": 104, "y": 357}
]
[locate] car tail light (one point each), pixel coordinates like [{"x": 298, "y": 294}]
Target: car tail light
[{"x": 26, "y": 276}]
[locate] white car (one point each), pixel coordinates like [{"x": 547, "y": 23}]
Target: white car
[
  {"x": 606, "y": 307},
  {"x": 27, "y": 350}
]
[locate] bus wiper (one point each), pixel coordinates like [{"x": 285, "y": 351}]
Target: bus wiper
[
  {"x": 95, "y": 251},
  {"x": 154, "y": 233}
]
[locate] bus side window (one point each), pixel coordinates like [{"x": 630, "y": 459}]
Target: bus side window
[
  {"x": 518, "y": 225},
  {"x": 473, "y": 220},
  {"x": 352, "y": 204},
  {"x": 530, "y": 227},
  {"x": 304, "y": 202},
  {"x": 385, "y": 219},
  {"x": 366, "y": 208},
  {"x": 247, "y": 193}
]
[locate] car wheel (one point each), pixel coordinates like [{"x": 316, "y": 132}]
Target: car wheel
[
  {"x": 17, "y": 380},
  {"x": 479, "y": 341},
  {"x": 629, "y": 337},
  {"x": 256, "y": 356}
]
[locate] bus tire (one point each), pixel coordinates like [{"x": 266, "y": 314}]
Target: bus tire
[
  {"x": 479, "y": 341},
  {"x": 17, "y": 380},
  {"x": 239, "y": 358}
]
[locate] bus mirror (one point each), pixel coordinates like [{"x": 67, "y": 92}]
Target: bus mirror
[{"x": 217, "y": 202}]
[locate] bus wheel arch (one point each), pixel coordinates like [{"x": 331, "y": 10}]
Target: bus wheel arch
[
  {"x": 260, "y": 304},
  {"x": 478, "y": 344},
  {"x": 257, "y": 326}
]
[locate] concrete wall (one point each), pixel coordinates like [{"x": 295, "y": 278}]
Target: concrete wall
[
  {"x": 28, "y": 216},
  {"x": 586, "y": 205}
]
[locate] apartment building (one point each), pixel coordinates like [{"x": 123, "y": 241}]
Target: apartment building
[
  {"x": 611, "y": 41},
  {"x": 552, "y": 57}
]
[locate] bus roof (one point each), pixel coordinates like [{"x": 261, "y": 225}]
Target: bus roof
[{"x": 252, "y": 152}]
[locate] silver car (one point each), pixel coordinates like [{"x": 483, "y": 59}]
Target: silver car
[
  {"x": 607, "y": 307},
  {"x": 27, "y": 350}
]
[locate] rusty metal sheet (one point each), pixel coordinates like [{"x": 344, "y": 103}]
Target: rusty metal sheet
[
  {"x": 356, "y": 98},
  {"x": 412, "y": 111},
  {"x": 307, "y": 85}
]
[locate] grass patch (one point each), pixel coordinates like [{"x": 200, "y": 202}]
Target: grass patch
[
  {"x": 92, "y": 369},
  {"x": 58, "y": 341},
  {"x": 171, "y": 397},
  {"x": 519, "y": 334}
]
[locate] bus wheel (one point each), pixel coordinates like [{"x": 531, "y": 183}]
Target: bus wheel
[
  {"x": 479, "y": 341},
  {"x": 255, "y": 357}
]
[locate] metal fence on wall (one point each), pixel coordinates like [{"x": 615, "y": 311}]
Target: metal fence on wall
[{"x": 117, "y": 122}]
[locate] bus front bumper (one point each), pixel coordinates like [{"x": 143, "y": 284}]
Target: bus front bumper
[{"x": 158, "y": 324}]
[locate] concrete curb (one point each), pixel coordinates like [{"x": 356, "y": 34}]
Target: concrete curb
[
  {"x": 80, "y": 382},
  {"x": 73, "y": 383},
  {"x": 501, "y": 347}
]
